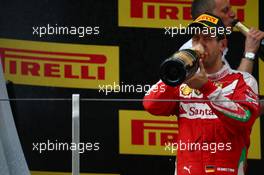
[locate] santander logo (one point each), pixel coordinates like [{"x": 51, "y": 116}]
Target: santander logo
[{"x": 196, "y": 110}]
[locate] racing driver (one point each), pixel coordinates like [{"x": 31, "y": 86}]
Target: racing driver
[{"x": 217, "y": 105}]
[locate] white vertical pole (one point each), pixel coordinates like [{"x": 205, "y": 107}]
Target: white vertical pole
[{"x": 75, "y": 133}]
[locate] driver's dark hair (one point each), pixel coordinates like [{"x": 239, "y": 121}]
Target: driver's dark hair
[{"x": 202, "y": 6}]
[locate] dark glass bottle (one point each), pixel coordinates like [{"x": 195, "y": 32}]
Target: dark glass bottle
[{"x": 179, "y": 67}]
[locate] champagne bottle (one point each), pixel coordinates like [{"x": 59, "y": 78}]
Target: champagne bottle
[
  {"x": 244, "y": 30},
  {"x": 181, "y": 66}
]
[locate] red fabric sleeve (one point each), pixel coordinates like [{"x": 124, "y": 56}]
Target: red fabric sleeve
[{"x": 158, "y": 100}]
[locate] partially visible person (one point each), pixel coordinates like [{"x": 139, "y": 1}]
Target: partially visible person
[
  {"x": 222, "y": 9},
  {"x": 216, "y": 107}
]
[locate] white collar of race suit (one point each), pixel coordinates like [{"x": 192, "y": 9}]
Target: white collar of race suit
[{"x": 220, "y": 74}]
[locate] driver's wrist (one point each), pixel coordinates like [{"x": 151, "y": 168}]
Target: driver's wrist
[{"x": 249, "y": 55}]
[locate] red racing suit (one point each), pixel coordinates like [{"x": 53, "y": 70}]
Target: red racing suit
[{"x": 214, "y": 121}]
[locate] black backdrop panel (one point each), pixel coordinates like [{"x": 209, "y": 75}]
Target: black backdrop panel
[{"x": 141, "y": 52}]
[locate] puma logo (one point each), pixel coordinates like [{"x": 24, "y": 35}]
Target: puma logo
[{"x": 188, "y": 169}]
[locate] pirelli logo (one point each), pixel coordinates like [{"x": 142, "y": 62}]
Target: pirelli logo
[
  {"x": 143, "y": 133},
  {"x": 164, "y": 13},
  {"x": 56, "y": 64},
  {"x": 207, "y": 18},
  {"x": 153, "y": 132}
]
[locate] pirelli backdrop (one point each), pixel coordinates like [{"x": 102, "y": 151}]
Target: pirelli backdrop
[{"x": 102, "y": 50}]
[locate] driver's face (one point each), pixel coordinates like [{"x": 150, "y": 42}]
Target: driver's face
[{"x": 212, "y": 48}]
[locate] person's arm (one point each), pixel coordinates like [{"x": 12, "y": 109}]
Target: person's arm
[
  {"x": 158, "y": 100},
  {"x": 246, "y": 65},
  {"x": 252, "y": 43},
  {"x": 236, "y": 105}
]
